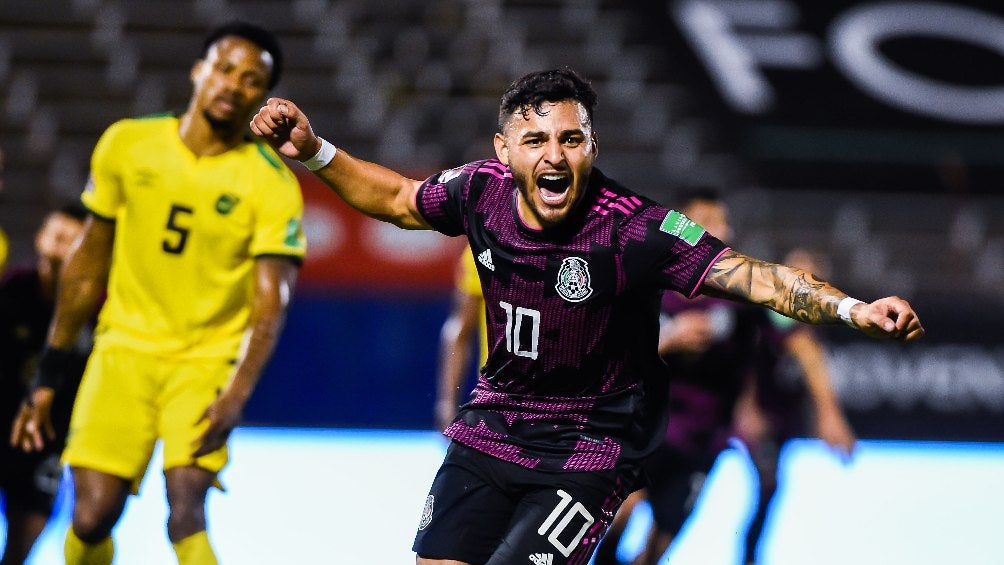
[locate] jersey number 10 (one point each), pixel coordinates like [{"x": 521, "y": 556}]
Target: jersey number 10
[{"x": 515, "y": 318}]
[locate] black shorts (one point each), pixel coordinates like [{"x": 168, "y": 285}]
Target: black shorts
[
  {"x": 481, "y": 510},
  {"x": 30, "y": 481},
  {"x": 674, "y": 482}
]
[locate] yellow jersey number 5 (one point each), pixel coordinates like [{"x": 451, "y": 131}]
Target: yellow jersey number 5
[{"x": 177, "y": 220}]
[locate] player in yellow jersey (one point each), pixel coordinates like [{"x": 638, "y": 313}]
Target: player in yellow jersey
[
  {"x": 3, "y": 250},
  {"x": 465, "y": 325},
  {"x": 196, "y": 231}
]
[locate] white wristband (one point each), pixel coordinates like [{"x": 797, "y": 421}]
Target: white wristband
[
  {"x": 323, "y": 156},
  {"x": 844, "y": 310}
]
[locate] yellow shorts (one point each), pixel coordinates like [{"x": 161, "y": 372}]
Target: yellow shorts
[{"x": 128, "y": 400}]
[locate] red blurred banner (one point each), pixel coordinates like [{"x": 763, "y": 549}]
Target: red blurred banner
[{"x": 349, "y": 251}]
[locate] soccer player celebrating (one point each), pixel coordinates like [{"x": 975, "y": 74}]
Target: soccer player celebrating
[
  {"x": 196, "y": 230},
  {"x": 572, "y": 266}
]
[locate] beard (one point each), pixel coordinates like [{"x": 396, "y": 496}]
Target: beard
[
  {"x": 546, "y": 216},
  {"x": 225, "y": 128}
]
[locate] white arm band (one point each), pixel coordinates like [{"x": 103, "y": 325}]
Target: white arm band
[
  {"x": 323, "y": 156},
  {"x": 844, "y": 310}
]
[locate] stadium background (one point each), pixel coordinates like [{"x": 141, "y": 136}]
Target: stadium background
[{"x": 869, "y": 130}]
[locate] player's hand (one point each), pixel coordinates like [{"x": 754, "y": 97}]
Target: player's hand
[
  {"x": 32, "y": 426},
  {"x": 890, "y": 317},
  {"x": 689, "y": 331},
  {"x": 832, "y": 428},
  {"x": 286, "y": 128},
  {"x": 223, "y": 415},
  {"x": 749, "y": 421}
]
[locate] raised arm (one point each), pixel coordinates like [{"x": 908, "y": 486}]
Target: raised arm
[
  {"x": 800, "y": 295},
  {"x": 372, "y": 189}
]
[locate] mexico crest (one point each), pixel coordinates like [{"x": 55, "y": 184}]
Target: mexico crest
[
  {"x": 573, "y": 280},
  {"x": 427, "y": 512}
]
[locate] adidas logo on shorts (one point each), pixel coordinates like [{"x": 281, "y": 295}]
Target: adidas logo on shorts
[{"x": 541, "y": 558}]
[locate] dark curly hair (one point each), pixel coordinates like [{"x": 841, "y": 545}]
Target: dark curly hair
[
  {"x": 531, "y": 91},
  {"x": 257, "y": 35}
]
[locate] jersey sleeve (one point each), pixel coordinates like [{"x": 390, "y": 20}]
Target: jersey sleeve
[
  {"x": 279, "y": 215},
  {"x": 103, "y": 194},
  {"x": 442, "y": 197},
  {"x": 676, "y": 251}
]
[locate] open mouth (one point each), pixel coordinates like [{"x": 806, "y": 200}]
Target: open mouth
[{"x": 553, "y": 187}]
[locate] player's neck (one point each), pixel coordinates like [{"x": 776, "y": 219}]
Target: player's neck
[
  {"x": 47, "y": 274},
  {"x": 204, "y": 138}
]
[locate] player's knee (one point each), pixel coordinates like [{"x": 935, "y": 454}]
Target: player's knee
[
  {"x": 92, "y": 524},
  {"x": 184, "y": 520}
]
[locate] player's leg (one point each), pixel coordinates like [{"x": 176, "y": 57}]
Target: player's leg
[
  {"x": 111, "y": 440},
  {"x": 98, "y": 501},
  {"x": 465, "y": 513},
  {"x": 24, "y": 525},
  {"x": 764, "y": 455},
  {"x": 31, "y": 483},
  {"x": 186, "y": 524},
  {"x": 192, "y": 385},
  {"x": 606, "y": 553},
  {"x": 675, "y": 483}
]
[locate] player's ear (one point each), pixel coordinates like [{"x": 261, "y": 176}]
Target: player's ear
[
  {"x": 193, "y": 75},
  {"x": 501, "y": 148}
]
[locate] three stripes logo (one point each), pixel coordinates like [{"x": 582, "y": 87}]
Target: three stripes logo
[
  {"x": 541, "y": 558},
  {"x": 485, "y": 258}
]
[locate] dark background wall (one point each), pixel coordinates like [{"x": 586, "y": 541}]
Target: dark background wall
[{"x": 893, "y": 170}]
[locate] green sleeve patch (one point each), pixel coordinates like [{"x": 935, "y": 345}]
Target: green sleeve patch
[
  {"x": 678, "y": 225},
  {"x": 294, "y": 232}
]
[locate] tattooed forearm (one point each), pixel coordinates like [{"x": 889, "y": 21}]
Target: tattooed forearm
[
  {"x": 792, "y": 292},
  {"x": 803, "y": 299}
]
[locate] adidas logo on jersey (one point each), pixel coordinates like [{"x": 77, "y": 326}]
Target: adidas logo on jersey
[
  {"x": 485, "y": 258},
  {"x": 541, "y": 558}
]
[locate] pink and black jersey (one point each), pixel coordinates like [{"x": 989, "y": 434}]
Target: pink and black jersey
[
  {"x": 781, "y": 392},
  {"x": 705, "y": 386},
  {"x": 573, "y": 380}
]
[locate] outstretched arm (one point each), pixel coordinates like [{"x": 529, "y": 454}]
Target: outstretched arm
[
  {"x": 371, "y": 189},
  {"x": 800, "y": 295}
]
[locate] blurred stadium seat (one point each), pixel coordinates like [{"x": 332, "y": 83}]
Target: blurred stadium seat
[{"x": 379, "y": 74}]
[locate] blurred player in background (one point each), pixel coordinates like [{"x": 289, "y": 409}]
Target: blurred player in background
[
  {"x": 773, "y": 410},
  {"x": 721, "y": 355},
  {"x": 572, "y": 266},
  {"x": 465, "y": 327},
  {"x": 196, "y": 229},
  {"x": 4, "y": 245},
  {"x": 29, "y": 481}
]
